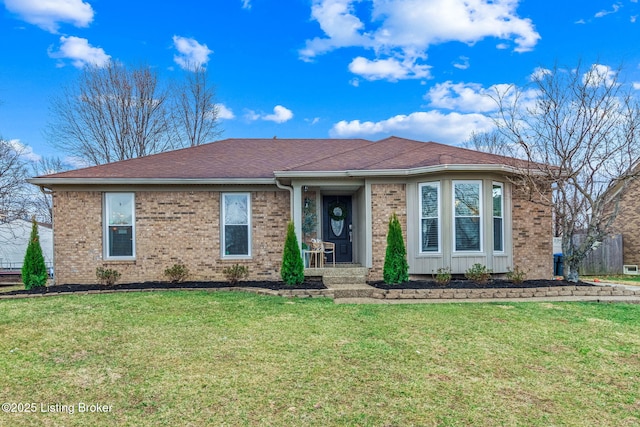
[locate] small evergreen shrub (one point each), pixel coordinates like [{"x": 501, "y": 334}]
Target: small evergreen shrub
[
  {"x": 516, "y": 275},
  {"x": 235, "y": 273},
  {"x": 292, "y": 271},
  {"x": 442, "y": 276},
  {"x": 396, "y": 267},
  {"x": 34, "y": 270},
  {"x": 478, "y": 273},
  {"x": 108, "y": 276},
  {"x": 176, "y": 274}
]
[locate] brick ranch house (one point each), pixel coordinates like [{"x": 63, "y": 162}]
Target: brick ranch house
[{"x": 229, "y": 202}]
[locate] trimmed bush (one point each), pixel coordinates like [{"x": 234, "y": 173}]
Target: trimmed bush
[
  {"x": 478, "y": 273},
  {"x": 292, "y": 271},
  {"x": 235, "y": 273},
  {"x": 442, "y": 276},
  {"x": 34, "y": 270},
  {"x": 176, "y": 274},
  {"x": 107, "y": 277},
  {"x": 396, "y": 267}
]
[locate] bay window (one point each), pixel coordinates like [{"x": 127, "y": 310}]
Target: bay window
[
  {"x": 430, "y": 217},
  {"x": 467, "y": 207},
  {"x": 498, "y": 217}
]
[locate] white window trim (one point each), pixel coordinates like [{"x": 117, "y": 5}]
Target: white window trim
[
  {"x": 222, "y": 226},
  {"x": 453, "y": 215},
  {"x": 501, "y": 185},
  {"x": 105, "y": 221},
  {"x": 420, "y": 217}
]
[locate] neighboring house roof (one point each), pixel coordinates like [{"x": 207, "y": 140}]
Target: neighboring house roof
[{"x": 264, "y": 160}]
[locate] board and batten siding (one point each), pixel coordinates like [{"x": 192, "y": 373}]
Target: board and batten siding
[{"x": 459, "y": 262}]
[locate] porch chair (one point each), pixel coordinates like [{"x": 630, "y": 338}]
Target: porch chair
[
  {"x": 316, "y": 253},
  {"x": 330, "y": 249}
]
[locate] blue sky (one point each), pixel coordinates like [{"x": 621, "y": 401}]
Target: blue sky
[{"x": 419, "y": 69}]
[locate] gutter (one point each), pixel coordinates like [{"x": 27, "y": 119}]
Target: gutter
[{"x": 47, "y": 182}]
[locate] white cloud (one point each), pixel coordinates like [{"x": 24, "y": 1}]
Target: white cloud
[
  {"x": 465, "y": 97},
  {"x": 539, "y": 73},
  {"x": 246, "y": 4},
  {"x": 599, "y": 75},
  {"x": 462, "y": 63},
  {"x": 636, "y": 85},
  {"x": 389, "y": 69},
  {"x": 191, "y": 54},
  {"x": 80, "y": 52},
  {"x": 403, "y": 30},
  {"x": 49, "y": 14},
  {"x": 338, "y": 22},
  {"x": 225, "y": 113},
  {"x": 313, "y": 121},
  {"x": 25, "y": 151},
  {"x": 451, "y": 128},
  {"x": 602, "y": 13},
  {"x": 280, "y": 115}
]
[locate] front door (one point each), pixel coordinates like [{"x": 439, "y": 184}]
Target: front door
[{"x": 336, "y": 225}]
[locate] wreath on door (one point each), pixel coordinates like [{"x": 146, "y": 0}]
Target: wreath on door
[{"x": 337, "y": 211}]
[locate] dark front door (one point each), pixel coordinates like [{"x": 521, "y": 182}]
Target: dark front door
[{"x": 336, "y": 227}]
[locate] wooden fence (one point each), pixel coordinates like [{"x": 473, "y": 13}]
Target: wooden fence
[{"x": 605, "y": 259}]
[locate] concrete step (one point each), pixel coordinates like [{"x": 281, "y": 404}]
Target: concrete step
[
  {"x": 354, "y": 292},
  {"x": 344, "y": 271},
  {"x": 339, "y": 280}
]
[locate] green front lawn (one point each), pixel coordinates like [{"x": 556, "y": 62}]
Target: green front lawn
[{"x": 199, "y": 358}]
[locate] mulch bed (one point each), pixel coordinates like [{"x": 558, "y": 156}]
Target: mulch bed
[
  {"x": 265, "y": 284},
  {"x": 469, "y": 284}
]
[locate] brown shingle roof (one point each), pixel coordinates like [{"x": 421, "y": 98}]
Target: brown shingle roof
[{"x": 259, "y": 158}]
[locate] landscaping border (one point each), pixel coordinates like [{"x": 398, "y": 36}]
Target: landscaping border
[{"x": 491, "y": 293}]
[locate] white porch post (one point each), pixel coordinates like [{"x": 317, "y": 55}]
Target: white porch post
[{"x": 297, "y": 212}]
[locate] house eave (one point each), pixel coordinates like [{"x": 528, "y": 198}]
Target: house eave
[{"x": 50, "y": 182}]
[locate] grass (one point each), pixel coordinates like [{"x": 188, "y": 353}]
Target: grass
[{"x": 198, "y": 358}]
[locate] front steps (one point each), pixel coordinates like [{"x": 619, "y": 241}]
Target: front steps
[{"x": 346, "y": 281}]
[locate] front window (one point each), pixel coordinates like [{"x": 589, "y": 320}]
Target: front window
[
  {"x": 236, "y": 215},
  {"x": 120, "y": 225},
  {"x": 467, "y": 215},
  {"x": 430, "y": 217},
  {"x": 498, "y": 217}
]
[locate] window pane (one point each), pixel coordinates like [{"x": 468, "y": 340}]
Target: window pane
[
  {"x": 468, "y": 234},
  {"x": 467, "y": 201},
  {"x": 119, "y": 220},
  {"x": 120, "y": 208},
  {"x": 236, "y": 240},
  {"x": 497, "y": 234},
  {"x": 430, "y": 235},
  {"x": 235, "y": 209},
  {"x": 120, "y": 241},
  {"x": 497, "y": 200},
  {"x": 429, "y": 201}
]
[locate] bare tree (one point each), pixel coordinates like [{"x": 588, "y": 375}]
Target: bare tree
[
  {"x": 41, "y": 204},
  {"x": 581, "y": 134},
  {"x": 195, "y": 110},
  {"x": 112, "y": 113},
  {"x": 13, "y": 174}
]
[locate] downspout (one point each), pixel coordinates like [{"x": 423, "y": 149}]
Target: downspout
[{"x": 290, "y": 189}]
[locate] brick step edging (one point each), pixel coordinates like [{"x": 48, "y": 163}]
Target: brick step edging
[
  {"x": 502, "y": 292},
  {"x": 288, "y": 293}
]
